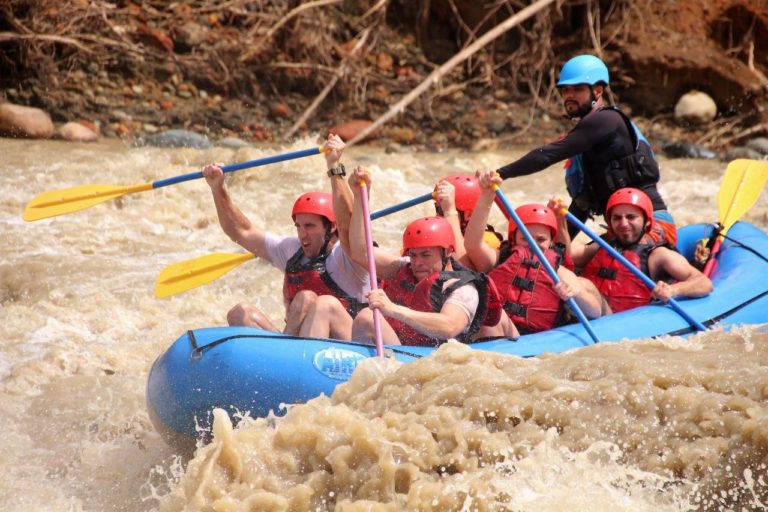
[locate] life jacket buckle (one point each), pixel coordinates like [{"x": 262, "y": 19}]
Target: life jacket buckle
[{"x": 607, "y": 273}]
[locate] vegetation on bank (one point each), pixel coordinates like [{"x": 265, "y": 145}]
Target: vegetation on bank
[{"x": 266, "y": 71}]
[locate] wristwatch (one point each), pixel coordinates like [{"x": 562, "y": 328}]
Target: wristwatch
[{"x": 337, "y": 171}]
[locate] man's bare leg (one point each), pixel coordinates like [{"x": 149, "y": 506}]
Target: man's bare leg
[
  {"x": 327, "y": 318},
  {"x": 297, "y": 310},
  {"x": 363, "y": 329},
  {"x": 506, "y": 327},
  {"x": 249, "y": 316}
]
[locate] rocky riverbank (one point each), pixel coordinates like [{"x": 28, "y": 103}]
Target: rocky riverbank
[{"x": 265, "y": 74}]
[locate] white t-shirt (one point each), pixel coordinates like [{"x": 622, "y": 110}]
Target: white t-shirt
[
  {"x": 465, "y": 297},
  {"x": 347, "y": 274}
]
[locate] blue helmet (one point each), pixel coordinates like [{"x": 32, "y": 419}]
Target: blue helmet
[{"x": 583, "y": 69}]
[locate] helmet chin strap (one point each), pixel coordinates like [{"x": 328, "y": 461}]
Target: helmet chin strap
[
  {"x": 328, "y": 235},
  {"x": 325, "y": 243},
  {"x": 444, "y": 258}
]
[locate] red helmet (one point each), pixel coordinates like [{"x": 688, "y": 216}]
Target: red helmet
[
  {"x": 634, "y": 197},
  {"x": 318, "y": 203},
  {"x": 428, "y": 232},
  {"x": 467, "y": 191},
  {"x": 534, "y": 213}
]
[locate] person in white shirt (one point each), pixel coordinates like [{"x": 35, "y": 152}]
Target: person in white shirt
[{"x": 323, "y": 288}]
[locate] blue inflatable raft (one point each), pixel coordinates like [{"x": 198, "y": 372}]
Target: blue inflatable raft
[{"x": 251, "y": 370}]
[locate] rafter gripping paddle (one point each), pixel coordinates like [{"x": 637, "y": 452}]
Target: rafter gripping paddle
[{"x": 743, "y": 181}]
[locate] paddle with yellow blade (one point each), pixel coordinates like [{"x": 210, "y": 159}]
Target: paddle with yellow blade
[
  {"x": 185, "y": 275},
  {"x": 743, "y": 181},
  {"x": 60, "y": 202},
  {"x": 188, "y": 274}
]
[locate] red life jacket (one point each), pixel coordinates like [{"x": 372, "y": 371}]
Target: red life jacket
[
  {"x": 313, "y": 275},
  {"x": 526, "y": 289},
  {"x": 428, "y": 295},
  {"x": 400, "y": 288},
  {"x": 621, "y": 288}
]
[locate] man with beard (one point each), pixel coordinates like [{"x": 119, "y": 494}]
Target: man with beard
[
  {"x": 605, "y": 151},
  {"x": 629, "y": 214}
]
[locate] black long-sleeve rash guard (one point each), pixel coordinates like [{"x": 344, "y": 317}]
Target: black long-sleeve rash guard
[{"x": 600, "y": 137}]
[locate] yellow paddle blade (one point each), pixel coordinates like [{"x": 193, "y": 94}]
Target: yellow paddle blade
[
  {"x": 68, "y": 200},
  {"x": 743, "y": 181},
  {"x": 185, "y": 275}
]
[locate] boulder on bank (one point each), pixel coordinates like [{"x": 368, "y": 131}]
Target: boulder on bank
[
  {"x": 176, "y": 139},
  {"x": 349, "y": 130},
  {"x": 76, "y": 132},
  {"x": 695, "y": 107},
  {"x": 759, "y": 144},
  {"x": 28, "y": 122},
  {"x": 686, "y": 150}
]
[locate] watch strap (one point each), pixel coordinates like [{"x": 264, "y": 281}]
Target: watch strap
[{"x": 339, "y": 170}]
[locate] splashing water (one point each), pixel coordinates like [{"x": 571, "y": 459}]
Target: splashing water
[{"x": 666, "y": 424}]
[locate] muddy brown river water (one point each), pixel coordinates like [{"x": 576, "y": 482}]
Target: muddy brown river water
[{"x": 647, "y": 425}]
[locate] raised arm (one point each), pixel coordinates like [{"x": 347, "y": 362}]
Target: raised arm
[
  {"x": 232, "y": 220},
  {"x": 483, "y": 256},
  {"x": 446, "y": 198},
  {"x": 559, "y": 207},
  {"x": 386, "y": 264},
  {"x": 580, "y": 253},
  {"x": 340, "y": 191}
]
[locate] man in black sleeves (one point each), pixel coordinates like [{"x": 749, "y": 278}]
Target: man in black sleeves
[{"x": 605, "y": 150}]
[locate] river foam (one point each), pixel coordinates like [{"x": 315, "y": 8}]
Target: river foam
[{"x": 666, "y": 424}]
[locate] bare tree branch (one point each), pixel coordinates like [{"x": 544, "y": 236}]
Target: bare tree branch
[{"x": 438, "y": 73}]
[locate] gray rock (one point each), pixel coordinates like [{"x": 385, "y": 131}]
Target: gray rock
[
  {"x": 176, "y": 139},
  {"x": 741, "y": 152},
  {"x": 119, "y": 115},
  {"x": 232, "y": 143},
  {"x": 686, "y": 150},
  {"x": 190, "y": 34},
  {"x": 760, "y": 144}
]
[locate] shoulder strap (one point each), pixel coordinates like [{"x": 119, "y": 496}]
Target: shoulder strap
[{"x": 634, "y": 132}]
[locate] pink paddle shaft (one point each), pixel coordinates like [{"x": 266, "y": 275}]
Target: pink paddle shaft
[
  {"x": 371, "y": 267},
  {"x": 712, "y": 261}
]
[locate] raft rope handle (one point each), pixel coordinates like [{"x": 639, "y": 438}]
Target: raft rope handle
[
  {"x": 197, "y": 351},
  {"x": 746, "y": 247}
]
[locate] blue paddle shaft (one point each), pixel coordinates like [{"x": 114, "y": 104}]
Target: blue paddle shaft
[
  {"x": 539, "y": 254},
  {"x": 401, "y": 206},
  {"x": 644, "y": 278},
  {"x": 242, "y": 165}
]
